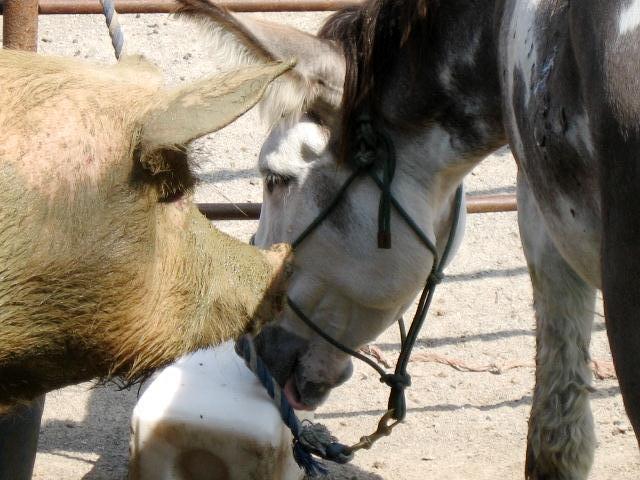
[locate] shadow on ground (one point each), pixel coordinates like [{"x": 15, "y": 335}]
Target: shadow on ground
[
  {"x": 104, "y": 432},
  {"x": 606, "y": 392},
  {"x": 349, "y": 472}
]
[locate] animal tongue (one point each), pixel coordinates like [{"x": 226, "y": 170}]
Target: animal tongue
[{"x": 291, "y": 392}]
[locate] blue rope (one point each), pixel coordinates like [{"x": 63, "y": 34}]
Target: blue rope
[
  {"x": 309, "y": 438},
  {"x": 115, "y": 29}
]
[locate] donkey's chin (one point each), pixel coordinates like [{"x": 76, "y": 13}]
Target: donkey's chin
[{"x": 304, "y": 394}]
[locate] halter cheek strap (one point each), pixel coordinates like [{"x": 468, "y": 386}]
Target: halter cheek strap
[{"x": 372, "y": 148}]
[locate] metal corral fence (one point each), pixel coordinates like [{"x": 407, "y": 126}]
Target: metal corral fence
[{"x": 20, "y": 31}]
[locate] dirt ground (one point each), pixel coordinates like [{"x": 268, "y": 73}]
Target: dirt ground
[{"x": 460, "y": 425}]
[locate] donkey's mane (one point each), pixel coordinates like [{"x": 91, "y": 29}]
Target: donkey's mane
[{"x": 371, "y": 35}]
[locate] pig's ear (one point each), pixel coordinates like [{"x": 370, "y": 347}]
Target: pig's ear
[{"x": 207, "y": 105}]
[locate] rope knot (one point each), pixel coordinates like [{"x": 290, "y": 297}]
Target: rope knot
[
  {"x": 366, "y": 141},
  {"x": 436, "y": 277},
  {"x": 399, "y": 381},
  {"x": 364, "y": 158},
  {"x": 317, "y": 439}
]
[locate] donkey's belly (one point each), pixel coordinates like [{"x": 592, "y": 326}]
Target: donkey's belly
[
  {"x": 564, "y": 184},
  {"x": 576, "y": 234},
  {"x": 548, "y": 129}
]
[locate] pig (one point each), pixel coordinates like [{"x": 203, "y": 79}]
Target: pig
[{"x": 107, "y": 269}]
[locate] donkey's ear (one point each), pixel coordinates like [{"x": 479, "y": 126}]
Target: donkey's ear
[
  {"x": 207, "y": 105},
  {"x": 317, "y": 78}
]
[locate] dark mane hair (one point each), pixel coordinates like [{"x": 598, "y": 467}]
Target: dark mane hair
[{"x": 370, "y": 36}]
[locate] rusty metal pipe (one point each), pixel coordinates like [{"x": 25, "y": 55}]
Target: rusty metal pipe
[
  {"x": 251, "y": 211},
  {"x": 20, "y": 24},
  {"x": 167, "y": 6},
  {"x": 491, "y": 203},
  {"x": 230, "y": 211}
]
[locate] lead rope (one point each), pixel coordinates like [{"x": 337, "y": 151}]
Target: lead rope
[
  {"x": 313, "y": 438},
  {"x": 115, "y": 29},
  {"x": 308, "y": 438}
]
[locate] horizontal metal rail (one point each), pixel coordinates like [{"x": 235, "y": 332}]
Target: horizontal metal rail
[
  {"x": 49, "y": 7},
  {"x": 251, "y": 211},
  {"x": 491, "y": 203}
]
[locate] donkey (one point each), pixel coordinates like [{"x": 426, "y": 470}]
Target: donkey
[
  {"x": 448, "y": 82},
  {"x": 107, "y": 270}
]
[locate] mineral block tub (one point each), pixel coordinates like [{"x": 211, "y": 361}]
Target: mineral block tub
[{"x": 207, "y": 417}]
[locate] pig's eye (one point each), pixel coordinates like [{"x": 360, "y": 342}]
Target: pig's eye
[{"x": 273, "y": 180}]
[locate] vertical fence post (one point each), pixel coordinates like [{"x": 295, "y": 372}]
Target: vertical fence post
[
  {"x": 19, "y": 429},
  {"x": 20, "y": 24}
]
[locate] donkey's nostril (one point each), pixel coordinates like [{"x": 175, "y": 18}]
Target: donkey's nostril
[
  {"x": 279, "y": 349},
  {"x": 313, "y": 394},
  {"x": 346, "y": 373}
]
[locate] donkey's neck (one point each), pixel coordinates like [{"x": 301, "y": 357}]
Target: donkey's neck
[{"x": 450, "y": 103}]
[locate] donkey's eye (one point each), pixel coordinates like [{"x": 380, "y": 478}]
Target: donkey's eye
[{"x": 273, "y": 180}]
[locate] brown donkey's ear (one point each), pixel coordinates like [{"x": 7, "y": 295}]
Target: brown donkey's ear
[
  {"x": 207, "y": 105},
  {"x": 318, "y": 76}
]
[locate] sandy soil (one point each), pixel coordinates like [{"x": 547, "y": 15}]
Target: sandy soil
[{"x": 460, "y": 425}]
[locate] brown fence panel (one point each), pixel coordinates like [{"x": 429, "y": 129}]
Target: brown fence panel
[
  {"x": 20, "y": 17},
  {"x": 167, "y": 6}
]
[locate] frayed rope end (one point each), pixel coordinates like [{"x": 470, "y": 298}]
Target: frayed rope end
[{"x": 304, "y": 459}]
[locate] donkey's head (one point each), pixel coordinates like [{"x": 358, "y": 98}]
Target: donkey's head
[{"x": 363, "y": 59}]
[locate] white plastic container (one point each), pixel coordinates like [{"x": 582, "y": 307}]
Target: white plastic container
[{"x": 208, "y": 418}]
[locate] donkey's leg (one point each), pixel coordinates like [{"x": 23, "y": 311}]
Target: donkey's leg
[{"x": 561, "y": 439}]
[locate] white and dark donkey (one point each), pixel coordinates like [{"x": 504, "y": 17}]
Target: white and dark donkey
[{"x": 449, "y": 81}]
